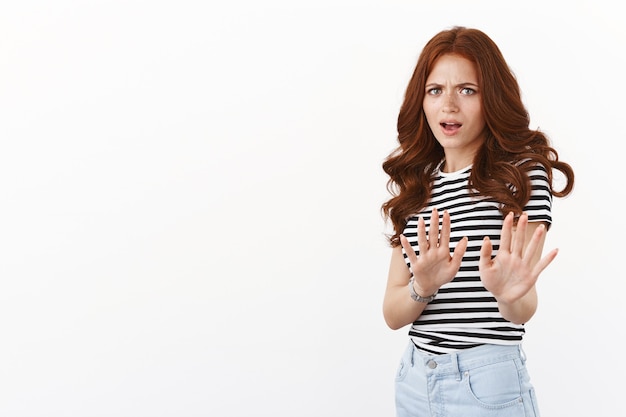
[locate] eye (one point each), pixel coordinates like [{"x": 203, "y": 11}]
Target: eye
[
  {"x": 434, "y": 91},
  {"x": 467, "y": 91}
]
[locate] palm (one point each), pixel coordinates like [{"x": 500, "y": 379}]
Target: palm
[
  {"x": 515, "y": 270},
  {"x": 434, "y": 266}
]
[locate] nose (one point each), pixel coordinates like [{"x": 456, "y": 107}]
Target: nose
[{"x": 450, "y": 105}]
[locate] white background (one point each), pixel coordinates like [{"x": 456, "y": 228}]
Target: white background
[{"x": 190, "y": 195}]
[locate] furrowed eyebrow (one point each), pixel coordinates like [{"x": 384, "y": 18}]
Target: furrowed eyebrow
[{"x": 461, "y": 85}]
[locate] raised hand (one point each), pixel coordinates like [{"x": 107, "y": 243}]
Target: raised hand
[
  {"x": 434, "y": 266},
  {"x": 515, "y": 270}
]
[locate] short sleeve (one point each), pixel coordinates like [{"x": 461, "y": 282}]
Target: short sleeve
[{"x": 539, "y": 207}]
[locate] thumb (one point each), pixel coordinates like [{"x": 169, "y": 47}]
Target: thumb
[{"x": 485, "y": 253}]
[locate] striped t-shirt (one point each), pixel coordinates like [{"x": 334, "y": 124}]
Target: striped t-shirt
[{"x": 464, "y": 314}]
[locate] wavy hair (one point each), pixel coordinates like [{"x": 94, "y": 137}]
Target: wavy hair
[{"x": 501, "y": 164}]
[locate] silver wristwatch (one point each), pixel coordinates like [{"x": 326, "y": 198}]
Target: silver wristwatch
[{"x": 416, "y": 297}]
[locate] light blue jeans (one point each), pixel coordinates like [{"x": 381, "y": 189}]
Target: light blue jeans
[{"x": 486, "y": 381}]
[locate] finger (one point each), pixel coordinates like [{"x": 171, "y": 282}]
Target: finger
[
  {"x": 536, "y": 243},
  {"x": 444, "y": 237},
  {"x": 544, "y": 262},
  {"x": 433, "y": 229},
  {"x": 457, "y": 255},
  {"x": 517, "y": 246},
  {"x": 422, "y": 238},
  {"x": 485, "y": 254},
  {"x": 507, "y": 233},
  {"x": 459, "y": 251},
  {"x": 408, "y": 249}
]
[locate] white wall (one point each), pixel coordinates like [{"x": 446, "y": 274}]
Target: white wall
[{"x": 190, "y": 193}]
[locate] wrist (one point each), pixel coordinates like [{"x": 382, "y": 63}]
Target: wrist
[{"x": 418, "y": 295}]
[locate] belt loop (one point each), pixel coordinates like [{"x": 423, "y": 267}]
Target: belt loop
[
  {"x": 522, "y": 354},
  {"x": 455, "y": 364},
  {"x": 413, "y": 352}
]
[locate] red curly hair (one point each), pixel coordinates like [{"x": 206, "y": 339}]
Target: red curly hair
[{"x": 510, "y": 149}]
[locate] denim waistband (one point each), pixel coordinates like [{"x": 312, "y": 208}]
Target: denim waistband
[{"x": 465, "y": 359}]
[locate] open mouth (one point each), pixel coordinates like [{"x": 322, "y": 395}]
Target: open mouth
[{"x": 451, "y": 127}]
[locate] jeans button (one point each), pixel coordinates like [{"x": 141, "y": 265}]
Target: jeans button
[{"x": 431, "y": 364}]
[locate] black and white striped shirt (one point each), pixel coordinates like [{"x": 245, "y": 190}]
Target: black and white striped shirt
[{"x": 464, "y": 314}]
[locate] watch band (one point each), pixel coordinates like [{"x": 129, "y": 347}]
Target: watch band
[{"x": 416, "y": 297}]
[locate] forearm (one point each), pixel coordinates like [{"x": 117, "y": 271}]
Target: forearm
[
  {"x": 512, "y": 274},
  {"x": 432, "y": 269},
  {"x": 399, "y": 309},
  {"x": 519, "y": 311}
]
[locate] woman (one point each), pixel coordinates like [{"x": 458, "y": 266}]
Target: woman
[{"x": 471, "y": 189}]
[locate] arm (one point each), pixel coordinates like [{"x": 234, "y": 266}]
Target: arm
[
  {"x": 398, "y": 307},
  {"x": 512, "y": 274},
  {"x": 433, "y": 268}
]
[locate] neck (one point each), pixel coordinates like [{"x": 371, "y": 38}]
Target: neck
[{"x": 455, "y": 165}]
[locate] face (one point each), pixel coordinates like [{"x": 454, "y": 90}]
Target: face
[{"x": 453, "y": 109}]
